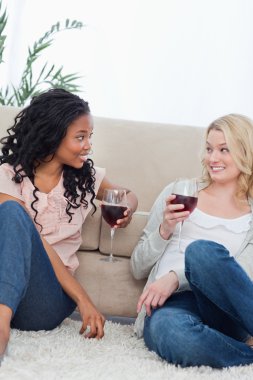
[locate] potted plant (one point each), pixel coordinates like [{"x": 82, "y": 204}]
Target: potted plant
[{"x": 49, "y": 76}]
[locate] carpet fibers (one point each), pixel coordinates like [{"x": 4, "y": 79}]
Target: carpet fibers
[{"x": 64, "y": 354}]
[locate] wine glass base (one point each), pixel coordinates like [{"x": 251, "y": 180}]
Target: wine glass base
[{"x": 110, "y": 259}]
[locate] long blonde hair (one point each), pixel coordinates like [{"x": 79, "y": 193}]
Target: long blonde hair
[{"x": 238, "y": 132}]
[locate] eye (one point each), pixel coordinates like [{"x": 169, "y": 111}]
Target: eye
[
  {"x": 80, "y": 138},
  {"x": 208, "y": 149},
  {"x": 224, "y": 150}
]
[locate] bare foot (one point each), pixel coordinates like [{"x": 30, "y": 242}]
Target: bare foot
[
  {"x": 5, "y": 320},
  {"x": 4, "y": 339}
]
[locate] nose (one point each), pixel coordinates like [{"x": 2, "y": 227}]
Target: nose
[
  {"x": 87, "y": 144},
  {"x": 215, "y": 156}
]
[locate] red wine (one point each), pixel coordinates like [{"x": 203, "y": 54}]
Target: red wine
[
  {"x": 111, "y": 213},
  {"x": 189, "y": 202}
]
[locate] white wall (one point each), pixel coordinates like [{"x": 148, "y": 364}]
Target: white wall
[{"x": 178, "y": 61}]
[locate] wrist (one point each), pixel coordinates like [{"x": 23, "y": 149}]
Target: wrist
[
  {"x": 81, "y": 297},
  {"x": 130, "y": 210},
  {"x": 175, "y": 281},
  {"x": 164, "y": 233},
  {"x": 132, "y": 201}
]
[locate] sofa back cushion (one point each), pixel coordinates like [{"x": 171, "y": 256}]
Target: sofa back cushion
[
  {"x": 7, "y": 115},
  {"x": 91, "y": 231},
  {"x": 141, "y": 156},
  {"x": 125, "y": 239},
  {"x": 145, "y": 157}
]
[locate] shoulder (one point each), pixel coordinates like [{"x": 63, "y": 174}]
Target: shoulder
[
  {"x": 167, "y": 190},
  {"x": 6, "y": 168},
  {"x": 7, "y": 185},
  {"x": 251, "y": 203},
  {"x": 99, "y": 172},
  {"x": 251, "y": 207},
  {"x": 159, "y": 203},
  {"x": 6, "y": 171}
]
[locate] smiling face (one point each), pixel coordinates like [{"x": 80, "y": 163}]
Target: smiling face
[
  {"x": 218, "y": 160},
  {"x": 76, "y": 145}
]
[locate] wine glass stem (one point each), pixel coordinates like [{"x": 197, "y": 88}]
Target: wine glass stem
[
  {"x": 112, "y": 236},
  {"x": 179, "y": 236}
]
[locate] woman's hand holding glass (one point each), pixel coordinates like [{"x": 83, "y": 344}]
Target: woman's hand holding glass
[
  {"x": 116, "y": 213},
  {"x": 122, "y": 223},
  {"x": 173, "y": 214}
]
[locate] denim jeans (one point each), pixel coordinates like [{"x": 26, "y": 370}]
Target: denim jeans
[
  {"x": 208, "y": 325},
  {"x": 28, "y": 284}
]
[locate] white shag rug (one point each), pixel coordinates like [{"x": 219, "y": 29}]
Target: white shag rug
[{"x": 64, "y": 354}]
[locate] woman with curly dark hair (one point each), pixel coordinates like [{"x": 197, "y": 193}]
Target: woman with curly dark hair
[{"x": 47, "y": 187}]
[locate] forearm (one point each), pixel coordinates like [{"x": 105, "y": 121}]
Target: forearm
[
  {"x": 88, "y": 312},
  {"x": 148, "y": 251},
  {"x": 151, "y": 244}
]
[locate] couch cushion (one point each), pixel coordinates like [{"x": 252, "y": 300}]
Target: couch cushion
[
  {"x": 145, "y": 157},
  {"x": 111, "y": 286},
  {"x": 91, "y": 230},
  {"x": 7, "y": 118},
  {"x": 125, "y": 239}
]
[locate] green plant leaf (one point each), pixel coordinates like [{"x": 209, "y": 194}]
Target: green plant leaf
[
  {"x": 3, "y": 21},
  {"x": 49, "y": 76}
]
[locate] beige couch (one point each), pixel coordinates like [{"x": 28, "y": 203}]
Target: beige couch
[{"x": 143, "y": 157}]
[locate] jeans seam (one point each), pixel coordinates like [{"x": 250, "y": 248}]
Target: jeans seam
[
  {"x": 219, "y": 336},
  {"x": 200, "y": 288}
]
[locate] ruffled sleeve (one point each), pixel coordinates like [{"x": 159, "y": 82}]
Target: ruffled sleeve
[{"x": 7, "y": 185}]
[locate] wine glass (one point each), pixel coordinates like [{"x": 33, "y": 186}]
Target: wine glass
[
  {"x": 186, "y": 191},
  {"x": 114, "y": 204}
]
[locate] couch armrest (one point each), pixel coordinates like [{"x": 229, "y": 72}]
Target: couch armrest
[{"x": 125, "y": 239}]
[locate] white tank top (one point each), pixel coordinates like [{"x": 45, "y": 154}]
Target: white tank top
[{"x": 228, "y": 232}]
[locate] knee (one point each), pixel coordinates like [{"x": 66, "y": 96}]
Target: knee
[
  {"x": 204, "y": 254},
  {"x": 12, "y": 212},
  {"x": 165, "y": 331},
  {"x": 10, "y": 208},
  {"x": 171, "y": 335}
]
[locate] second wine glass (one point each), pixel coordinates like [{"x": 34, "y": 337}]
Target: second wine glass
[
  {"x": 186, "y": 192},
  {"x": 114, "y": 204}
]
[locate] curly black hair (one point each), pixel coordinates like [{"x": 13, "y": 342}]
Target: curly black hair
[{"x": 37, "y": 133}]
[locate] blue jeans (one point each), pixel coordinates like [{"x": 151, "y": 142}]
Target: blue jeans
[
  {"x": 28, "y": 284},
  {"x": 208, "y": 325}
]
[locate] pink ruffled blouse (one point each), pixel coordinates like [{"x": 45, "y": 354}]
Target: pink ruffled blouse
[{"x": 63, "y": 236}]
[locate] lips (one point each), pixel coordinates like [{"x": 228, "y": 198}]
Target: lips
[
  {"x": 217, "y": 168},
  {"x": 83, "y": 157}
]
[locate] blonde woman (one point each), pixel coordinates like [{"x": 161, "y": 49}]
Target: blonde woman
[{"x": 197, "y": 307}]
